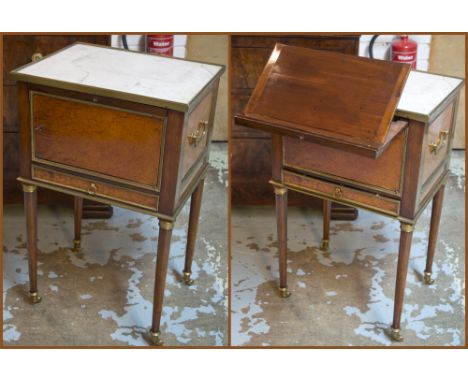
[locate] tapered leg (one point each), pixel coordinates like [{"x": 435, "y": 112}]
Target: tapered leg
[
  {"x": 195, "y": 204},
  {"x": 433, "y": 232},
  {"x": 406, "y": 236},
  {"x": 164, "y": 244},
  {"x": 78, "y": 208},
  {"x": 282, "y": 227},
  {"x": 30, "y": 206},
  {"x": 326, "y": 225}
]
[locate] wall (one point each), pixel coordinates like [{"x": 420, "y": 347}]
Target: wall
[
  {"x": 448, "y": 57},
  {"x": 137, "y": 42},
  {"x": 383, "y": 44}
]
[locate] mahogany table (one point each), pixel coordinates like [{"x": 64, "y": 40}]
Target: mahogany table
[
  {"x": 124, "y": 128},
  {"x": 365, "y": 133}
]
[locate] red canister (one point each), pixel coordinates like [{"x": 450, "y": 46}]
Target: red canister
[
  {"x": 162, "y": 44},
  {"x": 405, "y": 50}
]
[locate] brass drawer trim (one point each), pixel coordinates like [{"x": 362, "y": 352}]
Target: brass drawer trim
[
  {"x": 156, "y": 187},
  {"x": 94, "y": 190},
  {"x": 339, "y": 196}
]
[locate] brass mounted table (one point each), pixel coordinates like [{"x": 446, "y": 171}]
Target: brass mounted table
[
  {"x": 365, "y": 133},
  {"x": 124, "y": 128}
]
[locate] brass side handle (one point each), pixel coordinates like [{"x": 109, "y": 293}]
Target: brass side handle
[
  {"x": 195, "y": 137},
  {"x": 338, "y": 193},
  {"x": 435, "y": 147},
  {"x": 36, "y": 56},
  {"x": 92, "y": 189}
]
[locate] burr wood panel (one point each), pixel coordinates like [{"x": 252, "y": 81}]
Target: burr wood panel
[
  {"x": 384, "y": 173},
  {"x": 97, "y": 139}
]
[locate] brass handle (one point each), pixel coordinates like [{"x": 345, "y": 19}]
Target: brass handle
[
  {"x": 338, "y": 193},
  {"x": 92, "y": 189},
  {"x": 36, "y": 57},
  {"x": 195, "y": 137},
  {"x": 435, "y": 147},
  {"x": 39, "y": 128}
]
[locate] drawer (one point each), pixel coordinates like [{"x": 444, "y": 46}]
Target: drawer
[
  {"x": 95, "y": 188},
  {"x": 383, "y": 175},
  {"x": 195, "y": 135},
  {"x": 436, "y": 144},
  {"x": 342, "y": 194},
  {"x": 98, "y": 140}
]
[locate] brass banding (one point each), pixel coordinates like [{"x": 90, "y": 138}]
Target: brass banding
[
  {"x": 325, "y": 245},
  {"x": 34, "y": 297},
  {"x": 428, "y": 280},
  {"x": 405, "y": 227},
  {"x": 284, "y": 293},
  {"x": 29, "y": 188},
  {"x": 76, "y": 245},
  {"x": 187, "y": 276},
  {"x": 280, "y": 190},
  {"x": 155, "y": 338},
  {"x": 166, "y": 225},
  {"x": 395, "y": 335}
]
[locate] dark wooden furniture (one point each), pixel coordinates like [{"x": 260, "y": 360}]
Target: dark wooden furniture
[
  {"x": 124, "y": 128},
  {"x": 342, "y": 133},
  {"x": 251, "y": 149},
  {"x": 19, "y": 50}
]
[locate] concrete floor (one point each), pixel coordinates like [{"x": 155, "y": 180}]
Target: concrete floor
[
  {"x": 103, "y": 295},
  {"x": 344, "y": 297}
]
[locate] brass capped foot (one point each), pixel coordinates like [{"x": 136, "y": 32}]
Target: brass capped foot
[
  {"x": 428, "y": 280},
  {"x": 76, "y": 245},
  {"x": 34, "y": 298},
  {"x": 395, "y": 335},
  {"x": 284, "y": 293},
  {"x": 324, "y": 246},
  {"x": 154, "y": 338},
  {"x": 187, "y": 278}
]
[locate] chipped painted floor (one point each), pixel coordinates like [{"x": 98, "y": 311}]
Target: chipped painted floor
[
  {"x": 345, "y": 297},
  {"x": 103, "y": 295}
]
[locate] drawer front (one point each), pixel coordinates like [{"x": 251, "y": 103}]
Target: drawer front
[
  {"x": 195, "y": 135},
  {"x": 384, "y": 174},
  {"x": 95, "y": 188},
  {"x": 342, "y": 193},
  {"x": 98, "y": 140},
  {"x": 436, "y": 143}
]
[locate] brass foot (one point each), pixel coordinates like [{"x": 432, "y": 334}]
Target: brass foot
[
  {"x": 34, "y": 298},
  {"x": 155, "y": 339},
  {"x": 187, "y": 279},
  {"x": 76, "y": 245},
  {"x": 395, "y": 335},
  {"x": 428, "y": 280},
  {"x": 324, "y": 246},
  {"x": 284, "y": 293}
]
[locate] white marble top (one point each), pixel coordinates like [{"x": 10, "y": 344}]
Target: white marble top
[
  {"x": 131, "y": 73},
  {"x": 423, "y": 92}
]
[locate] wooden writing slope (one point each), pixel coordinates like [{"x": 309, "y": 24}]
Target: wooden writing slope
[
  {"x": 119, "y": 127},
  {"x": 361, "y": 132}
]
